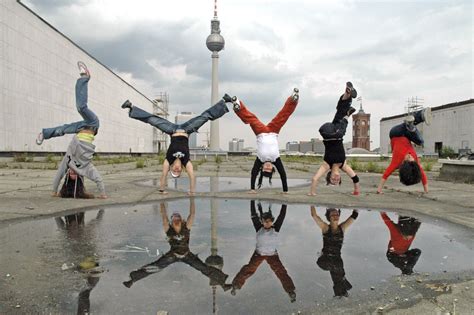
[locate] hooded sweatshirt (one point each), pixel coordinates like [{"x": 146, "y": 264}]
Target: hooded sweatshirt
[{"x": 79, "y": 157}]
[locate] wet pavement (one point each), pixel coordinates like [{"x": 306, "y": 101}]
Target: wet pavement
[
  {"x": 79, "y": 262},
  {"x": 221, "y": 183}
]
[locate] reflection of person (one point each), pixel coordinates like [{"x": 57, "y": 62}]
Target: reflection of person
[
  {"x": 178, "y": 234},
  {"x": 90, "y": 119},
  {"x": 334, "y": 152},
  {"x": 404, "y": 156},
  {"x": 402, "y": 235},
  {"x": 266, "y": 249},
  {"x": 177, "y": 155},
  {"x": 82, "y": 249},
  {"x": 268, "y": 153},
  {"x": 333, "y": 238}
]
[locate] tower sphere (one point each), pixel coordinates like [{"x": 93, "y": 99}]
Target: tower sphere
[{"x": 215, "y": 42}]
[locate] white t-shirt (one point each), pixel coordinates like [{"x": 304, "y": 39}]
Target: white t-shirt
[
  {"x": 267, "y": 242},
  {"x": 267, "y": 147}
]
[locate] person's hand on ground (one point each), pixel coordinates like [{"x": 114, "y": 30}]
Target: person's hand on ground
[
  {"x": 54, "y": 194},
  {"x": 103, "y": 196},
  {"x": 252, "y": 191}
]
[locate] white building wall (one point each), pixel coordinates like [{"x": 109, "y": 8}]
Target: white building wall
[
  {"x": 452, "y": 126},
  {"x": 37, "y": 77}
]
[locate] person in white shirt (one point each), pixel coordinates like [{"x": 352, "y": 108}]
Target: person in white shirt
[{"x": 268, "y": 154}]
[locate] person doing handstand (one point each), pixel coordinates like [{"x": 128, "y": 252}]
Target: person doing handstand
[
  {"x": 268, "y": 153},
  {"x": 334, "y": 152}
]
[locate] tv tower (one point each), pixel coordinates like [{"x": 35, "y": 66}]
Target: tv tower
[{"x": 215, "y": 43}]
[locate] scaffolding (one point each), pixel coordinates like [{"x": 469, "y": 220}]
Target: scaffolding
[
  {"x": 160, "y": 108},
  {"x": 414, "y": 104}
]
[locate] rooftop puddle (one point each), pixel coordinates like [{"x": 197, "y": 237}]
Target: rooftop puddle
[
  {"x": 215, "y": 184},
  {"x": 119, "y": 260}
]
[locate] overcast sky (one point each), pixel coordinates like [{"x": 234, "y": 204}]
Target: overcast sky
[{"x": 390, "y": 50}]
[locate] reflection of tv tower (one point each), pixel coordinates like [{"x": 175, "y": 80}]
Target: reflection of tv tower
[{"x": 214, "y": 260}]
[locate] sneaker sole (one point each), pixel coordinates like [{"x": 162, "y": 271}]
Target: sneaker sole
[{"x": 427, "y": 116}]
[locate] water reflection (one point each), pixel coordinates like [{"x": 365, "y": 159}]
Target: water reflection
[
  {"x": 79, "y": 246},
  {"x": 333, "y": 238},
  {"x": 266, "y": 250},
  {"x": 402, "y": 235},
  {"x": 178, "y": 232}
]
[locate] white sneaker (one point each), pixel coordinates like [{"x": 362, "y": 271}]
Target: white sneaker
[
  {"x": 295, "y": 94},
  {"x": 427, "y": 116},
  {"x": 410, "y": 122},
  {"x": 39, "y": 138},
  {"x": 83, "y": 71}
]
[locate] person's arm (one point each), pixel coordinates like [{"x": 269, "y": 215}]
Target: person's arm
[
  {"x": 164, "y": 174},
  {"x": 255, "y": 169},
  {"x": 388, "y": 222},
  {"x": 322, "y": 225},
  {"x": 281, "y": 170},
  {"x": 349, "y": 171},
  {"x": 349, "y": 220},
  {"x": 192, "y": 213},
  {"x": 314, "y": 182},
  {"x": 192, "y": 178},
  {"x": 279, "y": 221},
  {"x": 59, "y": 175},
  {"x": 164, "y": 217},
  {"x": 397, "y": 159},
  {"x": 424, "y": 179},
  {"x": 253, "y": 215},
  {"x": 380, "y": 187}
]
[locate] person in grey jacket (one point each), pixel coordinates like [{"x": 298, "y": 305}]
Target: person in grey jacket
[{"x": 79, "y": 158}]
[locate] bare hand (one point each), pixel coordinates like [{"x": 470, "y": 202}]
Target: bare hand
[
  {"x": 191, "y": 193},
  {"x": 252, "y": 191},
  {"x": 103, "y": 196},
  {"x": 379, "y": 192},
  {"x": 162, "y": 191},
  {"x": 311, "y": 194},
  {"x": 55, "y": 194}
]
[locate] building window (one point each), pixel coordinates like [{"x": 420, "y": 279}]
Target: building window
[{"x": 363, "y": 123}]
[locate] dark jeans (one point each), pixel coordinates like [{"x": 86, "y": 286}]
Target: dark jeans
[
  {"x": 90, "y": 119},
  {"x": 192, "y": 125},
  {"x": 341, "y": 109},
  {"x": 333, "y": 131},
  {"x": 190, "y": 259},
  {"x": 335, "y": 266},
  {"x": 401, "y": 130}
]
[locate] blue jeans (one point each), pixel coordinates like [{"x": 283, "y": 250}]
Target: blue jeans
[
  {"x": 401, "y": 130},
  {"x": 192, "y": 125},
  {"x": 90, "y": 119}
]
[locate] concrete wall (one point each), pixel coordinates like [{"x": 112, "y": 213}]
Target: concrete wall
[
  {"x": 37, "y": 77},
  {"x": 453, "y": 126}
]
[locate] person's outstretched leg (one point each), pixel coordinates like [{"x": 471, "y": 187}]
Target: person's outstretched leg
[
  {"x": 154, "y": 120},
  {"x": 280, "y": 271},
  {"x": 156, "y": 266},
  {"x": 345, "y": 102},
  {"x": 281, "y": 118},
  {"x": 246, "y": 271},
  {"x": 249, "y": 118},
  {"x": 90, "y": 118},
  {"x": 214, "y": 112}
]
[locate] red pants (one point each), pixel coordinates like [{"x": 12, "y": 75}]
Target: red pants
[
  {"x": 275, "y": 125},
  {"x": 275, "y": 264}
]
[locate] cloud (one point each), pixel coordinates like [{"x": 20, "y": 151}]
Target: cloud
[{"x": 389, "y": 50}]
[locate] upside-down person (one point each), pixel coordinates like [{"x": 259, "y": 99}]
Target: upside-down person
[
  {"x": 404, "y": 156},
  {"x": 268, "y": 153},
  {"x": 177, "y": 155},
  {"x": 334, "y": 153}
]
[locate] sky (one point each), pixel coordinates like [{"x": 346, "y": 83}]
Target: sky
[{"x": 389, "y": 50}]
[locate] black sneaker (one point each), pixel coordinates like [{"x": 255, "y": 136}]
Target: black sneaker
[
  {"x": 236, "y": 103},
  {"x": 128, "y": 283},
  {"x": 351, "y": 111},
  {"x": 127, "y": 104},
  {"x": 350, "y": 89},
  {"x": 227, "y": 287},
  {"x": 227, "y": 98},
  {"x": 233, "y": 291},
  {"x": 295, "y": 94},
  {"x": 292, "y": 295},
  {"x": 83, "y": 71}
]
